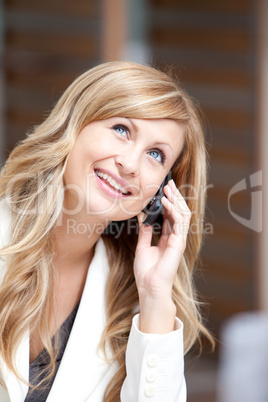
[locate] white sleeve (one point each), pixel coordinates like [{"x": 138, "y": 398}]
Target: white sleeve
[{"x": 155, "y": 366}]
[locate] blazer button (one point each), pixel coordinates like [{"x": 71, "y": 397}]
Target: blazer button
[
  {"x": 150, "y": 390},
  {"x": 151, "y": 375},
  {"x": 152, "y": 360}
]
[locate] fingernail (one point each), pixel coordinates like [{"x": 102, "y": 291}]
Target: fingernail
[{"x": 140, "y": 217}]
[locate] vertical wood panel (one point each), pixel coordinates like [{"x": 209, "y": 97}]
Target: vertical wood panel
[
  {"x": 114, "y": 33},
  {"x": 261, "y": 154}
]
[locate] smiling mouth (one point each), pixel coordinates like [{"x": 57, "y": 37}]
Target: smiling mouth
[{"x": 112, "y": 183}]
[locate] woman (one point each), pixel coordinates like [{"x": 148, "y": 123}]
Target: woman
[{"x": 76, "y": 266}]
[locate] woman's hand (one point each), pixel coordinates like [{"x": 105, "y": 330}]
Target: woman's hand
[{"x": 155, "y": 267}]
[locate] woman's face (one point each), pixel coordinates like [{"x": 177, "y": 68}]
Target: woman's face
[{"x": 118, "y": 164}]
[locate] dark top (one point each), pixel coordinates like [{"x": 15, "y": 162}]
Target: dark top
[{"x": 39, "y": 367}]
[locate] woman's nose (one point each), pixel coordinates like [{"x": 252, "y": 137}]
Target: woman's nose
[{"x": 128, "y": 163}]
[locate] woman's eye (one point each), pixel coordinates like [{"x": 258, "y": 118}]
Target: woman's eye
[
  {"x": 158, "y": 155},
  {"x": 122, "y": 130}
]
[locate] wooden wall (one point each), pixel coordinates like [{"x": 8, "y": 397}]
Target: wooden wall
[
  {"x": 47, "y": 44},
  {"x": 212, "y": 44}
]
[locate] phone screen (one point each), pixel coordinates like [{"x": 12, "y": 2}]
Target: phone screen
[{"x": 154, "y": 208}]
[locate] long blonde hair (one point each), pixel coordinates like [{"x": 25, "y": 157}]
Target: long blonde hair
[{"x": 32, "y": 183}]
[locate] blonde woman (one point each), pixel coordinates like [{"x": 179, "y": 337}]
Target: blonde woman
[{"x": 95, "y": 306}]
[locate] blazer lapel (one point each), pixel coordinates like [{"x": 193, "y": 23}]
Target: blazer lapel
[{"x": 82, "y": 368}]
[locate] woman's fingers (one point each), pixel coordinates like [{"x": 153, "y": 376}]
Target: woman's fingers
[
  {"x": 177, "y": 199},
  {"x": 177, "y": 216},
  {"x": 177, "y": 208},
  {"x": 145, "y": 236}
]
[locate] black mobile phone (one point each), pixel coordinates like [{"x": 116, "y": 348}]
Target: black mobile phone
[{"x": 154, "y": 208}]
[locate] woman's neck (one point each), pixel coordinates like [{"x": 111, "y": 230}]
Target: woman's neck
[{"x": 75, "y": 239}]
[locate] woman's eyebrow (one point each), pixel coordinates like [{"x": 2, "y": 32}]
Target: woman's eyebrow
[
  {"x": 132, "y": 123},
  {"x": 164, "y": 143},
  {"x": 136, "y": 129}
]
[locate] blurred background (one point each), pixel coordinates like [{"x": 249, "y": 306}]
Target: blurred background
[{"x": 220, "y": 51}]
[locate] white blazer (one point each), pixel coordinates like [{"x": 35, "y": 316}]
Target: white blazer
[{"x": 154, "y": 363}]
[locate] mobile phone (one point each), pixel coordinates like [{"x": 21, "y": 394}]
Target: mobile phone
[{"x": 154, "y": 208}]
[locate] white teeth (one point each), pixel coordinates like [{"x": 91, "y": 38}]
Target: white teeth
[{"x": 112, "y": 182}]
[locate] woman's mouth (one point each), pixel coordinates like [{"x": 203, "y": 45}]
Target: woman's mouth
[{"x": 111, "y": 183}]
